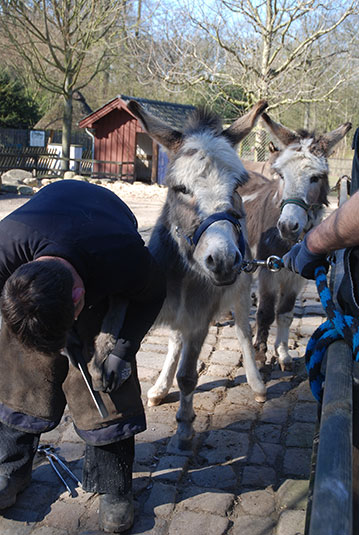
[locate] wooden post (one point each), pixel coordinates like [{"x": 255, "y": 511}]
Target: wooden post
[
  {"x": 313, "y": 464},
  {"x": 155, "y": 150},
  {"x": 343, "y": 189},
  {"x": 332, "y": 509},
  {"x": 356, "y": 447}
]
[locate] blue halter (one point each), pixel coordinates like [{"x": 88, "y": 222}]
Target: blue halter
[{"x": 219, "y": 216}]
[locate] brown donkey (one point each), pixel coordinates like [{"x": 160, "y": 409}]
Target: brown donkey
[{"x": 279, "y": 212}]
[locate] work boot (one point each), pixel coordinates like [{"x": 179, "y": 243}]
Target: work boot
[
  {"x": 10, "y": 488},
  {"x": 116, "y": 512}
]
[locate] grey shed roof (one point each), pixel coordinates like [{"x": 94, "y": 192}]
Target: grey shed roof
[{"x": 173, "y": 114}]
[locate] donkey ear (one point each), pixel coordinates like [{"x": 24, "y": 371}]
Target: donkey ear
[
  {"x": 283, "y": 135},
  {"x": 242, "y": 126},
  {"x": 328, "y": 141},
  {"x": 158, "y": 130}
]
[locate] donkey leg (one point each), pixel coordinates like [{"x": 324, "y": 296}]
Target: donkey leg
[
  {"x": 107, "y": 338},
  {"x": 265, "y": 316},
  {"x": 244, "y": 334},
  {"x": 165, "y": 380},
  {"x": 281, "y": 344},
  {"x": 284, "y": 317},
  {"x": 187, "y": 377}
]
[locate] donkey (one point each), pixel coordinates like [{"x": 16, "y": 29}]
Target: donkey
[
  {"x": 289, "y": 204},
  {"x": 199, "y": 239}
]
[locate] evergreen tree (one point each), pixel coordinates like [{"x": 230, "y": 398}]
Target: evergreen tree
[{"x": 17, "y": 108}]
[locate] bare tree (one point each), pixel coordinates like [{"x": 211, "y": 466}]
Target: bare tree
[
  {"x": 66, "y": 43},
  {"x": 288, "y": 51}
]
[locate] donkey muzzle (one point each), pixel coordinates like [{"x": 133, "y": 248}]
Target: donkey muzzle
[{"x": 224, "y": 271}]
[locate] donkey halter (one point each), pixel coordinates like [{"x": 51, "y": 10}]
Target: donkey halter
[
  {"x": 219, "y": 216},
  {"x": 310, "y": 209},
  {"x": 299, "y": 202},
  {"x": 273, "y": 263}
]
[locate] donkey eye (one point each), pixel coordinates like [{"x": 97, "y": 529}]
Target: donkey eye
[
  {"x": 181, "y": 189},
  {"x": 314, "y": 179}
]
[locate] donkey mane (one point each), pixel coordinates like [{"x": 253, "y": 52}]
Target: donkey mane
[
  {"x": 202, "y": 118},
  {"x": 318, "y": 144},
  {"x": 304, "y": 134}
]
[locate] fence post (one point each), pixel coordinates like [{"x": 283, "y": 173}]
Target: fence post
[
  {"x": 332, "y": 506},
  {"x": 356, "y": 447}
]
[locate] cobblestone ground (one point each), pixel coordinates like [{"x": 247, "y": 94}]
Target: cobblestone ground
[{"x": 248, "y": 471}]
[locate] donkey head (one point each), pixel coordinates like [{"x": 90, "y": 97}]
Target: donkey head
[
  {"x": 302, "y": 164},
  {"x": 203, "y": 210}
]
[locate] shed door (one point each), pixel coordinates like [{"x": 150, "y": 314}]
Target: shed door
[{"x": 143, "y": 157}]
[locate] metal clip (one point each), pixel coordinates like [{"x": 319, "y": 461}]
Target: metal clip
[
  {"x": 48, "y": 452},
  {"x": 181, "y": 234},
  {"x": 273, "y": 263},
  {"x": 249, "y": 266}
]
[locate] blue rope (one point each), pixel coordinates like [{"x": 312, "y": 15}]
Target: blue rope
[{"x": 337, "y": 327}]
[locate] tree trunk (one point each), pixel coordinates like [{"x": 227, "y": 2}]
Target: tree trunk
[
  {"x": 138, "y": 19},
  {"x": 66, "y": 129},
  {"x": 307, "y": 110}
]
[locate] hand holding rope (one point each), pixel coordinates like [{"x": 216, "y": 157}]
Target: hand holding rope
[{"x": 337, "y": 327}]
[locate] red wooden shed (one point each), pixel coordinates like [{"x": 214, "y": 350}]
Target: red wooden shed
[{"x": 121, "y": 144}]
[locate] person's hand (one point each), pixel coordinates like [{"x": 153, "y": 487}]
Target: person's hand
[
  {"x": 115, "y": 372},
  {"x": 302, "y": 261}
]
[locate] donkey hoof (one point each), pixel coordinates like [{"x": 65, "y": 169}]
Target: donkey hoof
[
  {"x": 184, "y": 444},
  {"x": 286, "y": 366},
  {"x": 154, "y": 401},
  {"x": 260, "y": 357},
  {"x": 260, "y": 398}
]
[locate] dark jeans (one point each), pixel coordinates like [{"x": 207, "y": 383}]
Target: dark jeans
[
  {"x": 17, "y": 450},
  {"x": 107, "y": 469}
]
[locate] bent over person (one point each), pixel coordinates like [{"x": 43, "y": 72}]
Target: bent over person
[{"x": 65, "y": 256}]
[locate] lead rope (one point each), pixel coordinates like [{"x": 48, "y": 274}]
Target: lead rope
[{"x": 337, "y": 327}]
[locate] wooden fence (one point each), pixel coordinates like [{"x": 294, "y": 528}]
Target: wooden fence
[
  {"x": 31, "y": 159},
  {"x": 43, "y": 162},
  {"x": 333, "y": 504}
]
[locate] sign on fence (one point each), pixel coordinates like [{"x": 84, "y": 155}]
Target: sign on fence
[{"x": 37, "y": 138}]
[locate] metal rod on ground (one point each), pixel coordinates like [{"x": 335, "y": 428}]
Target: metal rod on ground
[
  {"x": 60, "y": 476},
  {"x": 66, "y": 468}
]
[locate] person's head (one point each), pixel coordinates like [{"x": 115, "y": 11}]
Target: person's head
[{"x": 37, "y": 305}]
